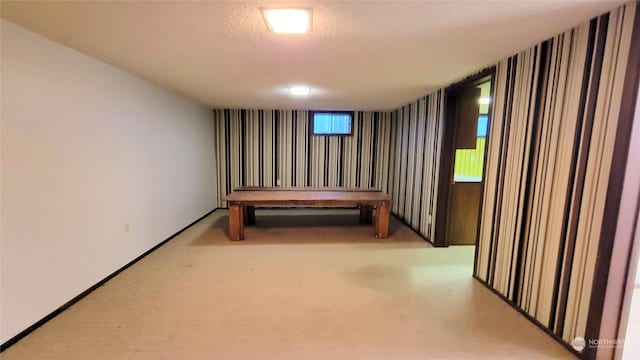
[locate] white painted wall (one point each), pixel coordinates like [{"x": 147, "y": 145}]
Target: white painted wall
[{"x": 87, "y": 148}]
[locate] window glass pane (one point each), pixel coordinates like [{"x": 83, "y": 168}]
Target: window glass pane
[
  {"x": 341, "y": 124},
  {"x": 469, "y": 162},
  {"x": 483, "y": 122},
  {"x": 322, "y": 123},
  {"x": 331, "y": 123}
]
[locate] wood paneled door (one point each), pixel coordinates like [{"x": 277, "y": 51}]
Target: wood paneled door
[{"x": 463, "y": 161}]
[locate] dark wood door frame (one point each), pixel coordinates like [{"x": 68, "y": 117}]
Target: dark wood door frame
[{"x": 446, "y": 155}]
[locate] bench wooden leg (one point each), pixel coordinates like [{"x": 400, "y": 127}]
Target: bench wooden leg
[
  {"x": 236, "y": 222},
  {"x": 366, "y": 214},
  {"x": 249, "y": 215},
  {"x": 382, "y": 221}
]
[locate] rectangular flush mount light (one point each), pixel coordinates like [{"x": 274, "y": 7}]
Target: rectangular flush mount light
[{"x": 288, "y": 21}]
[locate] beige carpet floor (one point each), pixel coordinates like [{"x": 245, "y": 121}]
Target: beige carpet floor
[{"x": 305, "y": 284}]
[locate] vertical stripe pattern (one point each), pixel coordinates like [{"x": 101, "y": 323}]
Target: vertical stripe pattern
[
  {"x": 276, "y": 148},
  {"x": 554, "y": 122},
  {"x": 416, "y": 138},
  {"x": 397, "y": 152}
]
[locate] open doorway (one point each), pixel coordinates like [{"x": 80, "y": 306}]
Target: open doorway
[{"x": 463, "y": 161}]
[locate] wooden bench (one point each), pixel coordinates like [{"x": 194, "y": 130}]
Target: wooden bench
[{"x": 243, "y": 201}]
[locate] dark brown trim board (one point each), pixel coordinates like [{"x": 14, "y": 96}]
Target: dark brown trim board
[
  {"x": 614, "y": 190},
  {"x": 484, "y": 166},
  {"x": 473, "y": 78},
  {"x": 446, "y": 168},
  {"x": 7, "y": 344}
]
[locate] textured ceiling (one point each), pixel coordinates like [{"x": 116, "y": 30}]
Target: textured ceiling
[{"x": 359, "y": 55}]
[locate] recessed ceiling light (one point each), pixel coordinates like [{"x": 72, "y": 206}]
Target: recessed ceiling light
[
  {"x": 288, "y": 21},
  {"x": 299, "y": 90},
  {"x": 484, "y": 100}
]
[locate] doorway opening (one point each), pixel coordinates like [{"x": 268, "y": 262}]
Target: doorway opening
[{"x": 468, "y": 120}]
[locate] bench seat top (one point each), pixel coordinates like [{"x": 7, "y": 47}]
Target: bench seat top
[
  {"x": 307, "y": 197},
  {"x": 285, "y": 188}
]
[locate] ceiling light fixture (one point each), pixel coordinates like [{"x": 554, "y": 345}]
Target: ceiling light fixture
[
  {"x": 484, "y": 100},
  {"x": 299, "y": 90},
  {"x": 288, "y": 21}
]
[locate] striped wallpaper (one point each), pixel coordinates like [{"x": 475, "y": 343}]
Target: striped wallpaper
[
  {"x": 396, "y": 152},
  {"x": 554, "y": 125},
  {"x": 275, "y": 148},
  {"x": 416, "y": 139}
]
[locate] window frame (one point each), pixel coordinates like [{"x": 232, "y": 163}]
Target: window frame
[{"x": 339, "y": 112}]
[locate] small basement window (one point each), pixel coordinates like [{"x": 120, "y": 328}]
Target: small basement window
[{"x": 332, "y": 122}]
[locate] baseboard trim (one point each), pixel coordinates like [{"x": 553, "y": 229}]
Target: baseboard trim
[
  {"x": 79, "y": 297},
  {"x": 414, "y": 230},
  {"x": 535, "y": 321}
]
